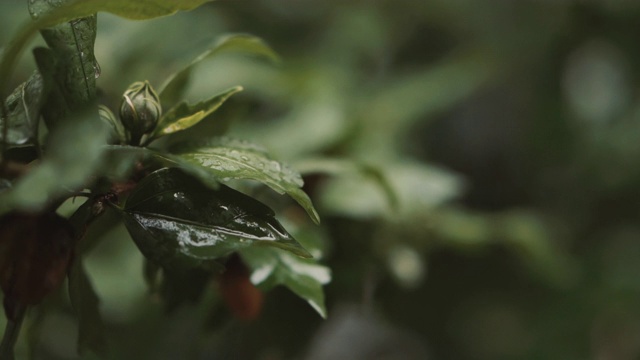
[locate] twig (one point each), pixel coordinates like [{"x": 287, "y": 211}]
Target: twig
[{"x": 11, "y": 332}]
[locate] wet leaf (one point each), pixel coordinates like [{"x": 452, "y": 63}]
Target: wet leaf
[
  {"x": 226, "y": 158},
  {"x": 120, "y": 160},
  {"x": 177, "y": 221},
  {"x": 305, "y": 277},
  {"x": 71, "y": 44},
  {"x": 23, "y": 106},
  {"x": 74, "y": 150},
  {"x": 141, "y": 9},
  {"x": 184, "y": 115},
  {"x": 57, "y": 105},
  {"x": 86, "y": 305},
  {"x": 173, "y": 88}
]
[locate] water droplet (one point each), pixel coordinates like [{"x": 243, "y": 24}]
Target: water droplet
[
  {"x": 96, "y": 69},
  {"x": 245, "y": 158},
  {"x": 34, "y": 15}
]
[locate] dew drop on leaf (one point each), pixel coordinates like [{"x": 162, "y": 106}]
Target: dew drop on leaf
[{"x": 96, "y": 69}]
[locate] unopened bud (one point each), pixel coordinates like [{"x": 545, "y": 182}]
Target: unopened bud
[{"x": 140, "y": 109}]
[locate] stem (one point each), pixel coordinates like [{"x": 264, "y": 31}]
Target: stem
[{"x": 11, "y": 332}]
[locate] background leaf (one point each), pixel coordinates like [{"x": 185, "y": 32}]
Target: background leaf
[
  {"x": 86, "y": 302},
  {"x": 418, "y": 188},
  {"x": 177, "y": 221},
  {"x": 173, "y": 88},
  {"x": 73, "y": 153},
  {"x": 184, "y": 115},
  {"x": 271, "y": 267}
]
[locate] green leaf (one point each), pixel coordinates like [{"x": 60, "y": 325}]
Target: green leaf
[
  {"x": 139, "y": 10},
  {"x": 227, "y": 158},
  {"x": 176, "y": 221},
  {"x": 72, "y": 44},
  {"x": 24, "y": 109},
  {"x": 118, "y": 134},
  {"x": 173, "y": 88},
  {"x": 58, "y": 102},
  {"x": 184, "y": 116},
  {"x": 305, "y": 277},
  {"x": 86, "y": 304},
  {"x": 73, "y": 153},
  {"x": 120, "y": 160},
  {"x": 348, "y": 167},
  {"x": 419, "y": 188}
]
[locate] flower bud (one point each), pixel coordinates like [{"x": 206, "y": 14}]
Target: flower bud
[{"x": 140, "y": 109}]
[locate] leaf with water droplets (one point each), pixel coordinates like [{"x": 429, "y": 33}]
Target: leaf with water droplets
[
  {"x": 71, "y": 44},
  {"x": 184, "y": 115},
  {"x": 234, "y": 159},
  {"x": 173, "y": 88},
  {"x": 176, "y": 221},
  {"x": 23, "y": 107},
  {"x": 305, "y": 277},
  {"x": 76, "y": 9}
]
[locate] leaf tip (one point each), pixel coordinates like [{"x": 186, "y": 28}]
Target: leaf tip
[{"x": 313, "y": 214}]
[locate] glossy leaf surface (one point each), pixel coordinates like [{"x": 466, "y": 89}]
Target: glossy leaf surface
[
  {"x": 184, "y": 115},
  {"x": 177, "y": 221},
  {"x": 305, "y": 277},
  {"x": 227, "y": 158},
  {"x": 173, "y": 88}
]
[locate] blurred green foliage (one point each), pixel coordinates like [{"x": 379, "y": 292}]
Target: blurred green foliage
[{"x": 473, "y": 163}]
